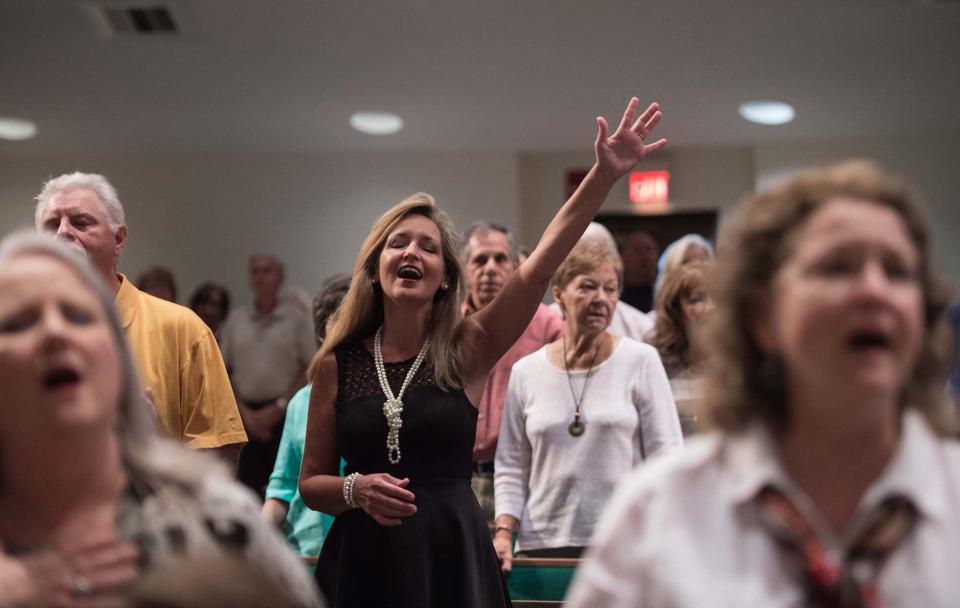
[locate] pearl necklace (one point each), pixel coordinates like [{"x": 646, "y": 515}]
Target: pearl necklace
[{"x": 393, "y": 406}]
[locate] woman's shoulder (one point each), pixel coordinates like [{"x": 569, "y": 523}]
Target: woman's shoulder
[
  {"x": 674, "y": 472},
  {"x": 351, "y": 348},
  {"x": 230, "y": 516},
  {"x": 666, "y": 494},
  {"x": 226, "y": 496},
  {"x": 929, "y": 452},
  {"x": 347, "y": 356},
  {"x": 534, "y": 363},
  {"x": 635, "y": 351},
  {"x": 206, "y": 498},
  {"x": 949, "y": 471}
]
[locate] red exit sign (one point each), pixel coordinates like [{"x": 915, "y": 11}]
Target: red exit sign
[{"x": 649, "y": 187}]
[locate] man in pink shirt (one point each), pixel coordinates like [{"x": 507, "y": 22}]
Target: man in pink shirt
[{"x": 490, "y": 257}]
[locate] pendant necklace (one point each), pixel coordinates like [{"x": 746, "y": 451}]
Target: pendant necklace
[
  {"x": 393, "y": 406},
  {"x": 577, "y": 427}
]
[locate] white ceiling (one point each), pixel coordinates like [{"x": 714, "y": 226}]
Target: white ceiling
[{"x": 283, "y": 76}]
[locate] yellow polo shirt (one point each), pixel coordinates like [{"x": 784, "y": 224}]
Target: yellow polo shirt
[{"x": 178, "y": 358}]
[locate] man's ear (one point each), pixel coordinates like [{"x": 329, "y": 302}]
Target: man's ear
[{"x": 121, "y": 237}]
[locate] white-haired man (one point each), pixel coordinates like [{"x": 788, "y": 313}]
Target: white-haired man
[
  {"x": 627, "y": 321},
  {"x": 176, "y": 353},
  {"x": 490, "y": 255}
]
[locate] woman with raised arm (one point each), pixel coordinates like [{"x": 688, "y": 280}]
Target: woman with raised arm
[
  {"x": 833, "y": 479},
  {"x": 395, "y": 385}
]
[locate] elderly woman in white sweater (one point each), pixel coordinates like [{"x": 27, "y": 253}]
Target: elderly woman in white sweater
[{"x": 580, "y": 414}]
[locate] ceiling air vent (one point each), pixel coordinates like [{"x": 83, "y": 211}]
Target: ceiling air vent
[{"x": 134, "y": 19}]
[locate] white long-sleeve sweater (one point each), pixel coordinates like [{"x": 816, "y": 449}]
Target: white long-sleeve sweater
[{"x": 557, "y": 484}]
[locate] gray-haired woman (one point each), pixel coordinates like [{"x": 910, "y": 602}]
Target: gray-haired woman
[
  {"x": 90, "y": 496},
  {"x": 580, "y": 414}
]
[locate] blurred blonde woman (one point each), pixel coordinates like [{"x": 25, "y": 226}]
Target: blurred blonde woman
[
  {"x": 832, "y": 479},
  {"x": 682, "y": 305},
  {"x": 91, "y": 499}
]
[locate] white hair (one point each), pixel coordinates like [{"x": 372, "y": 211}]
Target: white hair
[
  {"x": 597, "y": 232},
  {"x": 672, "y": 256},
  {"x": 97, "y": 184}
]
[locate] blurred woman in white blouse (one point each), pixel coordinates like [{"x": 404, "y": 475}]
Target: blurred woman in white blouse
[
  {"x": 831, "y": 480},
  {"x": 579, "y": 415}
]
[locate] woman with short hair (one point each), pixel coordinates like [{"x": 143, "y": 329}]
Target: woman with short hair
[
  {"x": 580, "y": 414},
  {"x": 832, "y": 479}
]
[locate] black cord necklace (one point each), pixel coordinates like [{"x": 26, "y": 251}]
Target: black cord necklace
[{"x": 577, "y": 427}]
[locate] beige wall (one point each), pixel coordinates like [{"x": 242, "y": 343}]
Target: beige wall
[{"x": 204, "y": 217}]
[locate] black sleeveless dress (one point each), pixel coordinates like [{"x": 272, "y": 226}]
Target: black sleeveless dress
[{"x": 441, "y": 556}]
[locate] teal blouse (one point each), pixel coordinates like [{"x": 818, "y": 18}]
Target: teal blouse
[{"x": 304, "y": 528}]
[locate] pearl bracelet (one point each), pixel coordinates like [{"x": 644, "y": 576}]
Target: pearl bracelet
[{"x": 348, "y": 482}]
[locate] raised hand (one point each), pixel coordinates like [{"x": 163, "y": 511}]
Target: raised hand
[{"x": 617, "y": 154}]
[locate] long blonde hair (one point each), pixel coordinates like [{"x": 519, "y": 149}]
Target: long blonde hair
[{"x": 361, "y": 312}]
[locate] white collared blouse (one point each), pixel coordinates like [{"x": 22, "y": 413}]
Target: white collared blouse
[{"x": 683, "y": 531}]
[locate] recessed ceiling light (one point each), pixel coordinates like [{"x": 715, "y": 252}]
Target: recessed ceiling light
[
  {"x": 767, "y": 111},
  {"x": 376, "y": 123},
  {"x": 16, "y": 129}
]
